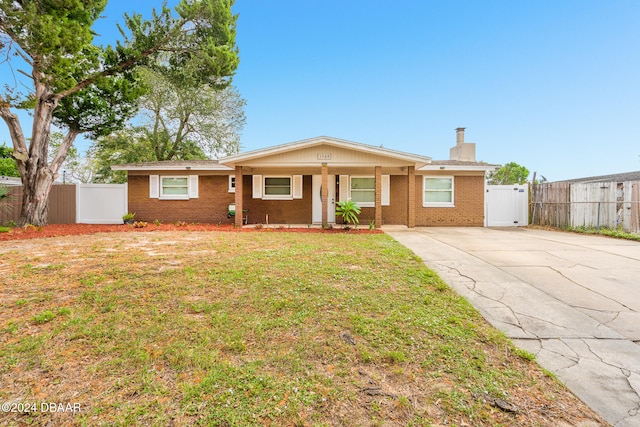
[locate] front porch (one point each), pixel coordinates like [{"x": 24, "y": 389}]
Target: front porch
[{"x": 311, "y": 199}]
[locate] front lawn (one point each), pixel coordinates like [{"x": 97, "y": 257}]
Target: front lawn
[{"x": 223, "y": 328}]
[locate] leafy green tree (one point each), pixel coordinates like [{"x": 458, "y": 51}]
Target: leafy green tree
[
  {"x": 82, "y": 87},
  {"x": 8, "y": 166},
  {"x": 132, "y": 145},
  {"x": 510, "y": 173},
  {"x": 177, "y": 116},
  {"x": 75, "y": 168},
  {"x": 176, "y": 123}
]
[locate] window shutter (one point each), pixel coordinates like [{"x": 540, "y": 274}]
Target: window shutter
[
  {"x": 193, "y": 186},
  {"x": 386, "y": 185},
  {"x": 257, "y": 186},
  {"x": 296, "y": 191},
  {"x": 345, "y": 186},
  {"x": 154, "y": 186},
  {"x": 232, "y": 183}
]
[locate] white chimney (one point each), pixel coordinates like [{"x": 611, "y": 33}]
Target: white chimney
[
  {"x": 460, "y": 136},
  {"x": 463, "y": 151}
]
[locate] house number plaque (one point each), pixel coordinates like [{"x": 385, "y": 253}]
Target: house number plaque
[{"x": 324, "y": 156}]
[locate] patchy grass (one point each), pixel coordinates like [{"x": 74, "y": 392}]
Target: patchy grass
[
  {"x": 235, "y": 329},
  {"x": 610, "y": 232}
]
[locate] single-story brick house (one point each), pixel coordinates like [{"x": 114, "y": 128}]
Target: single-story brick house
[{"x": 300, "y": 183}]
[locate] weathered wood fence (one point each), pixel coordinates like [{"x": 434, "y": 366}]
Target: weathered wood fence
[{"x": 591, "y": 204}]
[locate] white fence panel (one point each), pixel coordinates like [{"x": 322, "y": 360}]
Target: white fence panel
[
  {"x": 507, "y": 205},
  {"x": 101, "y": 203}
]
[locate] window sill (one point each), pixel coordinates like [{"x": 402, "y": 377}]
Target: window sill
[
  {"x": 438, "y": 205},
  {"x": 277, "y": 197},
  {"x": 173, "y": 198},
  {"x": 365, "y": 204}
]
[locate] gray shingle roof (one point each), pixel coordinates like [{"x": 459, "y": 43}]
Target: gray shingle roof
[{"x": 617, "y": 177}]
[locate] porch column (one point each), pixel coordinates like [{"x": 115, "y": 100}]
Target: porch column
[
  {"x": 238, "y": 196},
  {"x": 411, "y": 197},
  {"x": 378, "y": 204},
  {"x": 325, "y": 194}
]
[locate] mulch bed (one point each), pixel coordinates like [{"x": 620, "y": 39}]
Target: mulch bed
[{"x": 55, "y": 230}]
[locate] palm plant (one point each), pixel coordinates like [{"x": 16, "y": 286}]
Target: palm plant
[{"x": 349, "y": 211}]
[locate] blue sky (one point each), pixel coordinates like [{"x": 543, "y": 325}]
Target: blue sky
[{"x": 550, "y": 84}]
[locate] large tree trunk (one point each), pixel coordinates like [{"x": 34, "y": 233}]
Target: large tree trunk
[
  {"x": 37, "y": 174},
  {"x": 35, "y": 199},
  {"x": 37, "y": 182}
]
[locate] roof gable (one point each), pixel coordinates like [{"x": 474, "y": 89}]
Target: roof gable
[{"x": 324, "y": 149}]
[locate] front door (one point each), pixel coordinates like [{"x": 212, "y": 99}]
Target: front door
[{"x": 317, "y": 199}]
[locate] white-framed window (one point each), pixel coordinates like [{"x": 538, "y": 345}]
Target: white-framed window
[
  {"x": 277, "y": 187},
  {"x": 232, "y": 183},
  {"x": 363, "y": 190},
  {"x": 174, "y": 187},
  {"x": 438, "y": 191},
  {"x": 179, "y": 187}
]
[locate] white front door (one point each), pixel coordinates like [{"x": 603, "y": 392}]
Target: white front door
[{"x": 316, "y": 189}]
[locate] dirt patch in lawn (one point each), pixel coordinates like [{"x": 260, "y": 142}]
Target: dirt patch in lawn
[{"x": 59, "y": 230}]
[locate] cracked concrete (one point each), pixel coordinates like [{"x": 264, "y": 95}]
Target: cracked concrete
[{"x": 572, "y": 300}]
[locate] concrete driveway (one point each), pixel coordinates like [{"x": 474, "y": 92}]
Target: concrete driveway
[{"x": 572, "y": 300}]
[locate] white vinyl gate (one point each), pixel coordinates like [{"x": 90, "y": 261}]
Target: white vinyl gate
[
  {"x": 506, "y": 205},
  {"x": 101, "y": 203}
]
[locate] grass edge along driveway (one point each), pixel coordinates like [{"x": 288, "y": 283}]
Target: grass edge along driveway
[{"x": 206, "y": 328}]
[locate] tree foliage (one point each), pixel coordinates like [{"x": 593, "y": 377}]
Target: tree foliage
[
  {"x": 84, "y": 88},
  {"x": 177, "y": 117},
  {"x": 176, "y": 123},
  {"x": 8, "y": 166},
  {"x": 131, "y": 145},
  {"x": 75, "y": 168},
  {"x": 510, "y": 173}
]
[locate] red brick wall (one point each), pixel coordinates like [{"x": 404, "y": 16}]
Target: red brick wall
[
  {"x": 297, "y": 211},
  {"x": 210, "y": 206},
  {"x": 468, "y": 200},
  {"x": 396, "y": 212}
]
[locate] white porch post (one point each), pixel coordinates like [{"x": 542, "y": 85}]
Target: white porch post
[{"x": 325, "y": 194}]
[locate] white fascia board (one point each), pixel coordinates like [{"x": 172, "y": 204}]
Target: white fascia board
[
  {"x": 170, "y": 168},
  {"x": 457, "y": 168}
]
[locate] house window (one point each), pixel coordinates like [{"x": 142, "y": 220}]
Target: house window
[
  {"x": 232, "y": 183},
  {"x": 174, "y": 187},
  {"x": 438, "y": 191},
  {"x": 363, "y": 190},
  {"x": 277, "y": 187}
]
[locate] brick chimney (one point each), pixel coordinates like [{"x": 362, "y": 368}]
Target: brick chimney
[{"x": 463, "y": 151}]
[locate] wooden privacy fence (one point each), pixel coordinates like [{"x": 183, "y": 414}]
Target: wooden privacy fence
[
  {"x": 591, "y": 204},
  {"x": 62, "y": 205},
  {"x": 77, "y": 203}
]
